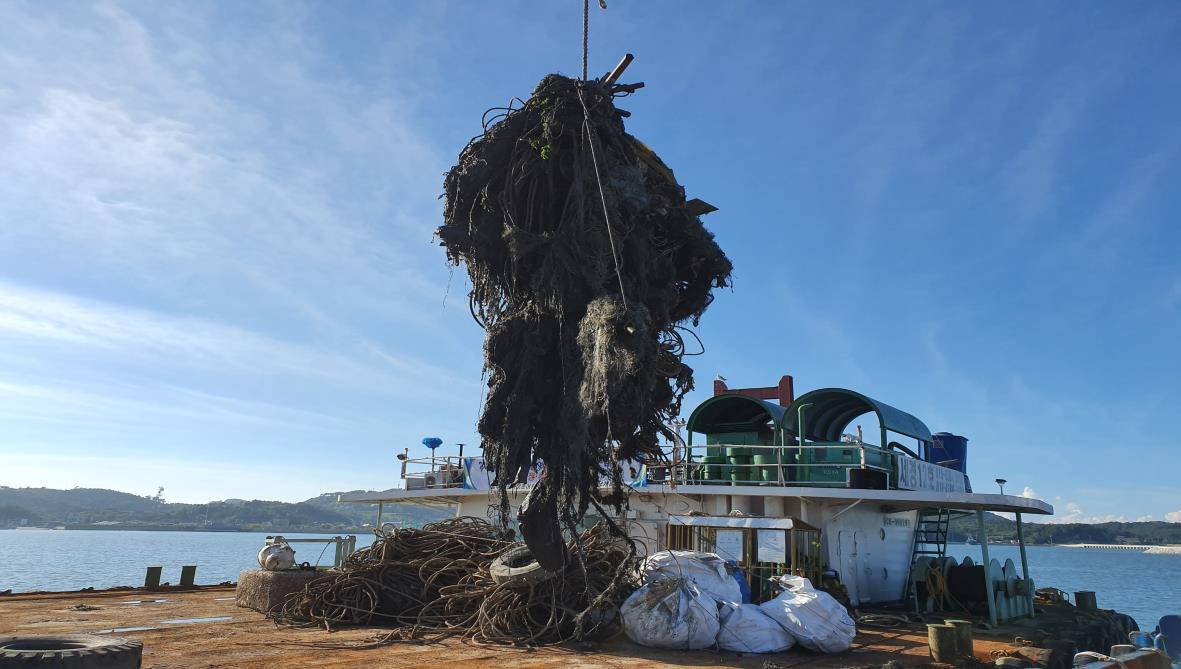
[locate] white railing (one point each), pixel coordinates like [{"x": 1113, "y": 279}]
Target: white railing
[{"x": 437, "y": 472}]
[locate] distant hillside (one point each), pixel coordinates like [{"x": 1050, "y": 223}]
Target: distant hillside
[
  {"x": 47, "y": 502},
  {"x": 411, "y": 514},
  {"x": 97, "y": 508},
  {"x": 85, "y": 507},
  {"x": 1003, "y": 529}
]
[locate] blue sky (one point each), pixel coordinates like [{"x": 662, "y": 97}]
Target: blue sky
[{"x": 217, "y": 272}]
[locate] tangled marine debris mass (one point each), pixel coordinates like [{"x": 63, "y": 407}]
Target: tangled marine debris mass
[
  {"x": 585, "y": 260},
  {"x": 439, "y": 581}
]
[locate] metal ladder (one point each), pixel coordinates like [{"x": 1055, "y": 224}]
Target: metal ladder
[
  {"x": 930, "y": 540},
  {"x": 930, "y": 534}
]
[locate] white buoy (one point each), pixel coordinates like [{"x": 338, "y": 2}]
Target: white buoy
[{"x": 276, "y": 557}]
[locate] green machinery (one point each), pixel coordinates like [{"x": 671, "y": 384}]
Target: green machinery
[{"x": 751, "y": 441}]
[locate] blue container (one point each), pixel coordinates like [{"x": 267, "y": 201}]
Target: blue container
[
  {"x": 951, "y": 449},
  {"x": 743, "y": 586}
]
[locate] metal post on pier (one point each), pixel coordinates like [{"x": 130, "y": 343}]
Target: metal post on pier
[
  {"x": 1025, "y": 566},
  {"x": 988, "y": 587},
  {"x": 380, "y": 510}
]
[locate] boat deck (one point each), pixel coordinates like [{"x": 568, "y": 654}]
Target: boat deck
[{"x": 204, "y": 628}]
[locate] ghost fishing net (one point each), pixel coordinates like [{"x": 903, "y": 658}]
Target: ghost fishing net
[
  {"x": 585, "y": 261},
  {"x": 437, "y": 582}
]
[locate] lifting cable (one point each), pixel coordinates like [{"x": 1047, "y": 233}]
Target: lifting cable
[{"x": 586, "y": 30}]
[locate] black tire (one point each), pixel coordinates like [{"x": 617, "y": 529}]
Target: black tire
[
  {"x": 517, "y": 565},
  {"x": 70, "y": 651}
]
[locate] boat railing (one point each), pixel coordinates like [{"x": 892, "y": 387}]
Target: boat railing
[
  {"x": 815, "y": 464},
  {"x": 344, "y": 546},
  {"x": 438, "y": 472}
]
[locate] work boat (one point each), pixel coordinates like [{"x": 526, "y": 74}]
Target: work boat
[{"x": 778, "y": 484}]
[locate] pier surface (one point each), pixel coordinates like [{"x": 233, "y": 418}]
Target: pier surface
[{"x": 228, "y": 636}]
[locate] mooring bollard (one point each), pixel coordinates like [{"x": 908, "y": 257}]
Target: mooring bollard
[
  {"x": 941, "y": 639},
  {"x": 152, "y": 580},
  {"x": 1085, "y": 600},
  {"x": 1122, "y": 649},
  {"x": 963, "y": 637},
  {"x": 188, "y": 574}
]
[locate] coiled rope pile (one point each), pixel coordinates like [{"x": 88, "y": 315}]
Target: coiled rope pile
[
  {"x": 436, "y": 583},
  {"x": 396, "y": 576}
]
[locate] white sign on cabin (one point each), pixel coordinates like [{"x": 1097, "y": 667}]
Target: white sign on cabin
[
  {"x": 772, "y": 546},
  {"x": 728, "y": 545},
  {"x": 918, "y": 475}
]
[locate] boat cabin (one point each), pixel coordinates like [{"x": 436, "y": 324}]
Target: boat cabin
[{"x": 794, "y": 486}]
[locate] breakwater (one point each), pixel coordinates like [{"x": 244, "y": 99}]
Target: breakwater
[
  {"x": 1139, "y": 548},
  {"x": 1113, "y": 547}
]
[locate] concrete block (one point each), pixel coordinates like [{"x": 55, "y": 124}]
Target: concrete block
[{"x": 264, "y": 591}]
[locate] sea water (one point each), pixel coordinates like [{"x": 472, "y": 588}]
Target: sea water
[
  {"x": 76, "y": 559},
  {"x": 1143, "y": 586}
]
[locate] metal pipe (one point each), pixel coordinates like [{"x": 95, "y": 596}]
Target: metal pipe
[
  {"x": 988, "y": 589},
  {"x": 1024, "y": 564},
  {"x": 802, "y": 432},
  {"x": 380, "y": 509},
  {"x": 779, "y": 461},
  {"x": 618, "y": 71}
]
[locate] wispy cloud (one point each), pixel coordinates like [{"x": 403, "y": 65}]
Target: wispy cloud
[
  {"x": 135, "y": 159},
  {"x": 39, "y": 320}
]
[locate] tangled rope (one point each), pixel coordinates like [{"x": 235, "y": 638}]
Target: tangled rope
[
  {"x": 435, "y": 583},
  {"x": 399, "y": 574},
  {"x": 584, "y": 259}
]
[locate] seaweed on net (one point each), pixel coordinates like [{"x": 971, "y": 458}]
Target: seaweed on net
[{"x": 584, "y": 260}]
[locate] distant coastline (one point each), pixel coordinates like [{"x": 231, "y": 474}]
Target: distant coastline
[
  {"x": 100, "y": 509},
  {"x": 1001, "y": 530}
]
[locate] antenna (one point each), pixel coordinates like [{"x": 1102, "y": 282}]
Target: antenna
[{"x": 432, "y": 443}]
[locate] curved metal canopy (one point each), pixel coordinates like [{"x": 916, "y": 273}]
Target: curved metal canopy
[
  {"x": 834, "y": 408},
  {"x": 734, "y": 413}
]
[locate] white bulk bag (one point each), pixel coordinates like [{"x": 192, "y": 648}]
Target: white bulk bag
[
  {"x": 814, "y": 618},
  {"x": 671, "y": 613},
  {"x": 707, "y": 570},
  {"x": 745, "y": 628}
]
